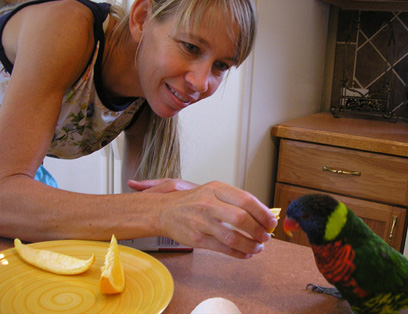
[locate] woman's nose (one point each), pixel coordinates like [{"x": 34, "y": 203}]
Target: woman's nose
[{"x": 198, "y": 77}]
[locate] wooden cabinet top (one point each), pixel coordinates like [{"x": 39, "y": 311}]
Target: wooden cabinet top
[{"x": 369, "y": 134}]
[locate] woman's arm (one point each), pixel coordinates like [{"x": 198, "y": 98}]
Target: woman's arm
[{"x": 48, "y": 57}]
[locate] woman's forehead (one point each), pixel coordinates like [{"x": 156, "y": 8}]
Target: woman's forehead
[
  {"x": 212, "y": 22},
  {"x": 238, "y": 17},
  {"x": 210, "y": 18}
]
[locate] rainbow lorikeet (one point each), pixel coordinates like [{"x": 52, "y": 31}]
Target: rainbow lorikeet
[{"x": 367, "y": 272}]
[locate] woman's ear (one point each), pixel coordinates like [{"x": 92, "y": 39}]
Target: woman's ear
[{"x": 138, "y": 16}]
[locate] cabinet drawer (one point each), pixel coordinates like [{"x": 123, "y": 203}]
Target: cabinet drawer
[{"x": 355, "y": 173}]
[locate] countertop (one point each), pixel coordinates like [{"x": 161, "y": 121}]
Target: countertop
[
  {"x": 372, "y": 134},
  {"x": 274, "y": 281}
]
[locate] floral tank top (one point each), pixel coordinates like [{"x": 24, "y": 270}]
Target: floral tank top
[{"x": 88, "y": 121}]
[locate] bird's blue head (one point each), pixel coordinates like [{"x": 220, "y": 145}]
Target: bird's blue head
[{"x": 320, "y": 216}]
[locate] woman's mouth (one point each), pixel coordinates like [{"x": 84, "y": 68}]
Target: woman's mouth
[{"x": 178, "y": 96}]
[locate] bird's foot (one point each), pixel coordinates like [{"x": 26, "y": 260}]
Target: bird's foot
[{"x": 325, "y": 290}]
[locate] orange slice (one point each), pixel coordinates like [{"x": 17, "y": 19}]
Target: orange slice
[
  {"x": 276, "y": 212},
  {"x": 112, "y": 279},
  {"x": 51, "y": 261}
]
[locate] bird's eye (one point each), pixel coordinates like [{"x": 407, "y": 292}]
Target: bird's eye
[{"x": 305, "y": 216}]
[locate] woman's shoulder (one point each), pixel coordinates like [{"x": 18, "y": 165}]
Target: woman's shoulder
[
  {"x": 75, "y": 10},
  {"x": 63, "y": 11},
  {"x": 51, "y": 38},
  {"x": 49, "y": 24},
  {"x": 51, "y": 15}
]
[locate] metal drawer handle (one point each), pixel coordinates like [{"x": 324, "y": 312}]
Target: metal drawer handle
[
  {"x": 350, "y": 173},
  {"x": 394, "y": 223}
]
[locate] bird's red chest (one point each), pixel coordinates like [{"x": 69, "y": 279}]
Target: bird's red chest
[{"x": 336, "y": 262}]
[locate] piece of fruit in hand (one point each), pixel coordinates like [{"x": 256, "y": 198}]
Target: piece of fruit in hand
[{"x": 276, "y": 212}]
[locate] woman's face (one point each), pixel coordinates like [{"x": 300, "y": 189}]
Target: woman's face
[{"x": 177, "y": 68}]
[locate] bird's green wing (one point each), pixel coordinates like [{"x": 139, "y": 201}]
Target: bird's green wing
[{"x": 378, "y": 266}]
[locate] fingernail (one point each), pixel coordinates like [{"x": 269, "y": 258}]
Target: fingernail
[
  {"x": 271, "y": 223},
  {"x": 260, "y": 248},
  {"x": 266, "y": 237}
]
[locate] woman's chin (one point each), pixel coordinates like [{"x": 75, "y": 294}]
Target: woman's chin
[{"x": 166, "y": 113}]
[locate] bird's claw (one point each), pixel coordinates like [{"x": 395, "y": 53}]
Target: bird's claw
[{"x": 329, "y": 291}]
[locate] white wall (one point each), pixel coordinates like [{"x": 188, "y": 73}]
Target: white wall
[
  {"x": 87, "y": 174},
  {"x": 211, "y": 133},
  {"x": 228, "y": 136},
  {"x": 287, "y": 81},
  {"x": 97, "y": 173},
  {"x": 406, "y": 247}
]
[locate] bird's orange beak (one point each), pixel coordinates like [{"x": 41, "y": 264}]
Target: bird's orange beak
[{"x": 290, "y": 225}]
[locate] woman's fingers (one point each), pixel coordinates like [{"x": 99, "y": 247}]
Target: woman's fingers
[
  {"x": 161, "y": 185},
  {"x": 210, "y": 243},
  {"x": 237, "y": 219},
  {"x": 249, "y": 203},
  {"x": 226, "y": 240},
  {"x": 237, "y": 240},
  {"x": 241, "y": 210}
]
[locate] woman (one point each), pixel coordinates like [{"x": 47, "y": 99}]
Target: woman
[{"x": 76, "y": 74}]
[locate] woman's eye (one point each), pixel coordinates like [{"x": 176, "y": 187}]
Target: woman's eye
[
  {"x": 221, "y": 66},
  {"x": 191, "y": 48}
]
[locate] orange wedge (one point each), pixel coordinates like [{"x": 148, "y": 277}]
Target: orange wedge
[
  {"x": 112, "y": 279},
  {"x": 276, "y": 212},
  {"x": 51, "y": 261}
]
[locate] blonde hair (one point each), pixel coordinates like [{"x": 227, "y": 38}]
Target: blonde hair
[
  {"x": 7, "y": 6},
  {"x": 160, "y": 157},
  {"x": 190, "y": 13}
]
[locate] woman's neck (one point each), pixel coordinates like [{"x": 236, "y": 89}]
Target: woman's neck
[{"x": 119, "y": 72}]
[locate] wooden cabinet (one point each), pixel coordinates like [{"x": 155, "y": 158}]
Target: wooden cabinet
[
  {"x": 363, "y": 163},
  {"x": 371, "y": 5}
]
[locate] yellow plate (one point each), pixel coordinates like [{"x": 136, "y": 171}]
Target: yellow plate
[{"x": 27, "y": 289}]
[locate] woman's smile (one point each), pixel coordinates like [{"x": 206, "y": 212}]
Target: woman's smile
[{"x": 180, "y": 97}]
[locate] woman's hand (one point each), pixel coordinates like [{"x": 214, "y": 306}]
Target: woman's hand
[
  {"x": 198, "y": 216},
  {"x": 161, "y": 185}
]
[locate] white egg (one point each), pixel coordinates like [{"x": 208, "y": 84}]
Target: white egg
[{"x": 216, "y": 306}]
